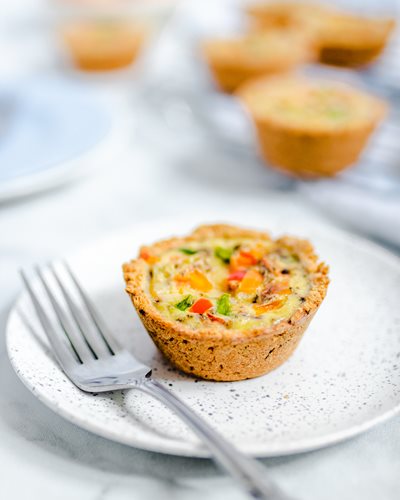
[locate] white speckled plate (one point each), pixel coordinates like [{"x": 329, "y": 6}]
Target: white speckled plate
[{"x": 343, "y": 379}]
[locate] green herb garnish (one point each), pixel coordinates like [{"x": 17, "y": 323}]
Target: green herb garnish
[
  {"x": 224, "y": 305},
  {"x": 185, "y": 303},
  {"x": 224, "y": 254},
  {"x": 336, "y": 113},
  {"x": 188, "y": 251}
]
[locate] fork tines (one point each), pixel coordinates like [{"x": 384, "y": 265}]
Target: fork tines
[{"x": 73, "y": 326}]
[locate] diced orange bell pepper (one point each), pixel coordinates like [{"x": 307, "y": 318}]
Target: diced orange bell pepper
[
  {"x": 147, "y": 256},
  {"x": 201, "y": 306},
  {"x": 196, "y": 280},
  {"x": 270, "y": 306},
  {"x": 258, "y": 252},
  {"x": 249, "y": 256},
  {"x": 251, "y": 281},
  {"x": 199, "y": 281},
  {"x": 243, "y": 260}
]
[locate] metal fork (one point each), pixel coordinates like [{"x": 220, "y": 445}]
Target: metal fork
[{"x": 95, "y": 362}]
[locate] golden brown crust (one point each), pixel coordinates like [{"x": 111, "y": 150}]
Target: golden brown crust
[
  {"x": 217, "y": 352},
  {"x": 122, "y": 48},
  {"x": 350, "y": 57},
  {"x": 347, "y": 31},
  {"x": 354, "y": 46},
  {"x": 284, "y": 14},
  {"x": 231, "y": 68},
  {"x": 302, "y": 154},
  {"x": 306, "y": 152}
]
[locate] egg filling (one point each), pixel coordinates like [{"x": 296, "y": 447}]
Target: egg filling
[
  {"x": 313, "y": 105},
  {"x": 274, "y": 47},
  {"x": 237, "y": 283}
]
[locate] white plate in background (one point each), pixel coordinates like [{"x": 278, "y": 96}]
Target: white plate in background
[{"x": 51, "y": 130}]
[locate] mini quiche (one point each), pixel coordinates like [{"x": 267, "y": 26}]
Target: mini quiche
[
  {"x": 236, "y": 60},
  {"x": 226, "y": 303},
  {"x": 342, "y": 38},
  {"x": 103, "y": 45},
  {"x": 310, "y": 127},
  {"x": 349, "y": 40},
  {"x": 286, "y": 14}
]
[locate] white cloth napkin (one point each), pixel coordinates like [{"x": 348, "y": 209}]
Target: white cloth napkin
[{"x": 375, "y": 212}]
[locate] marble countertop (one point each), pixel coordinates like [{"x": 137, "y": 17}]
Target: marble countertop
[{"x": 44, "y": 457}]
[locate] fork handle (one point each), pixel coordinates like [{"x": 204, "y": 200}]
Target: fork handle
[{"x": 247, "y": 471}]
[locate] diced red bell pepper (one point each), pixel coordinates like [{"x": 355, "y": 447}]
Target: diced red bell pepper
[
  {"x": 237, "y": 275},
  {"x": 201, "y": 306}
]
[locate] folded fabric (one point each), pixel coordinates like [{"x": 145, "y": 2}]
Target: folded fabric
[{"x": 375, "y": 212}]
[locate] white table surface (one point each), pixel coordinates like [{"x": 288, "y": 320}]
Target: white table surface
[{"x": 44, "y": 457}]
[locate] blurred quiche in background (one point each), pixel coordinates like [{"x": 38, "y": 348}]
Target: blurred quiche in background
[
  {"x": 342, "y": 38},
  {"x": 227, "y": 303},
  {"x": 103, "y": 44},
  {"x": 285, "y": 14},
  {"x": 103, "y": 35},
  {"x": 310, "y": 127},
  {"x": 349, "y": 40},
  {"x": 235, "y": 60}
]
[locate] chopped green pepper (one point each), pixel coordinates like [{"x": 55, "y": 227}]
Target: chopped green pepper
[
  {"x": 188, "y": 251},
  {"x": 224, "y": 304},
  {"x": 224, "y": 254},
  {"x": 185, "y": 303}
]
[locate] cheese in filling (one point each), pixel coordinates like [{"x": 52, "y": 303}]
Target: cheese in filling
[{"x": 237, "y": 283}]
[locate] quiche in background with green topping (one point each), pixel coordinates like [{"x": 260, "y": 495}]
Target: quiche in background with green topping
[
  {"x": 226, "y": 303},
  {"x": 310, "y": 127}
]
